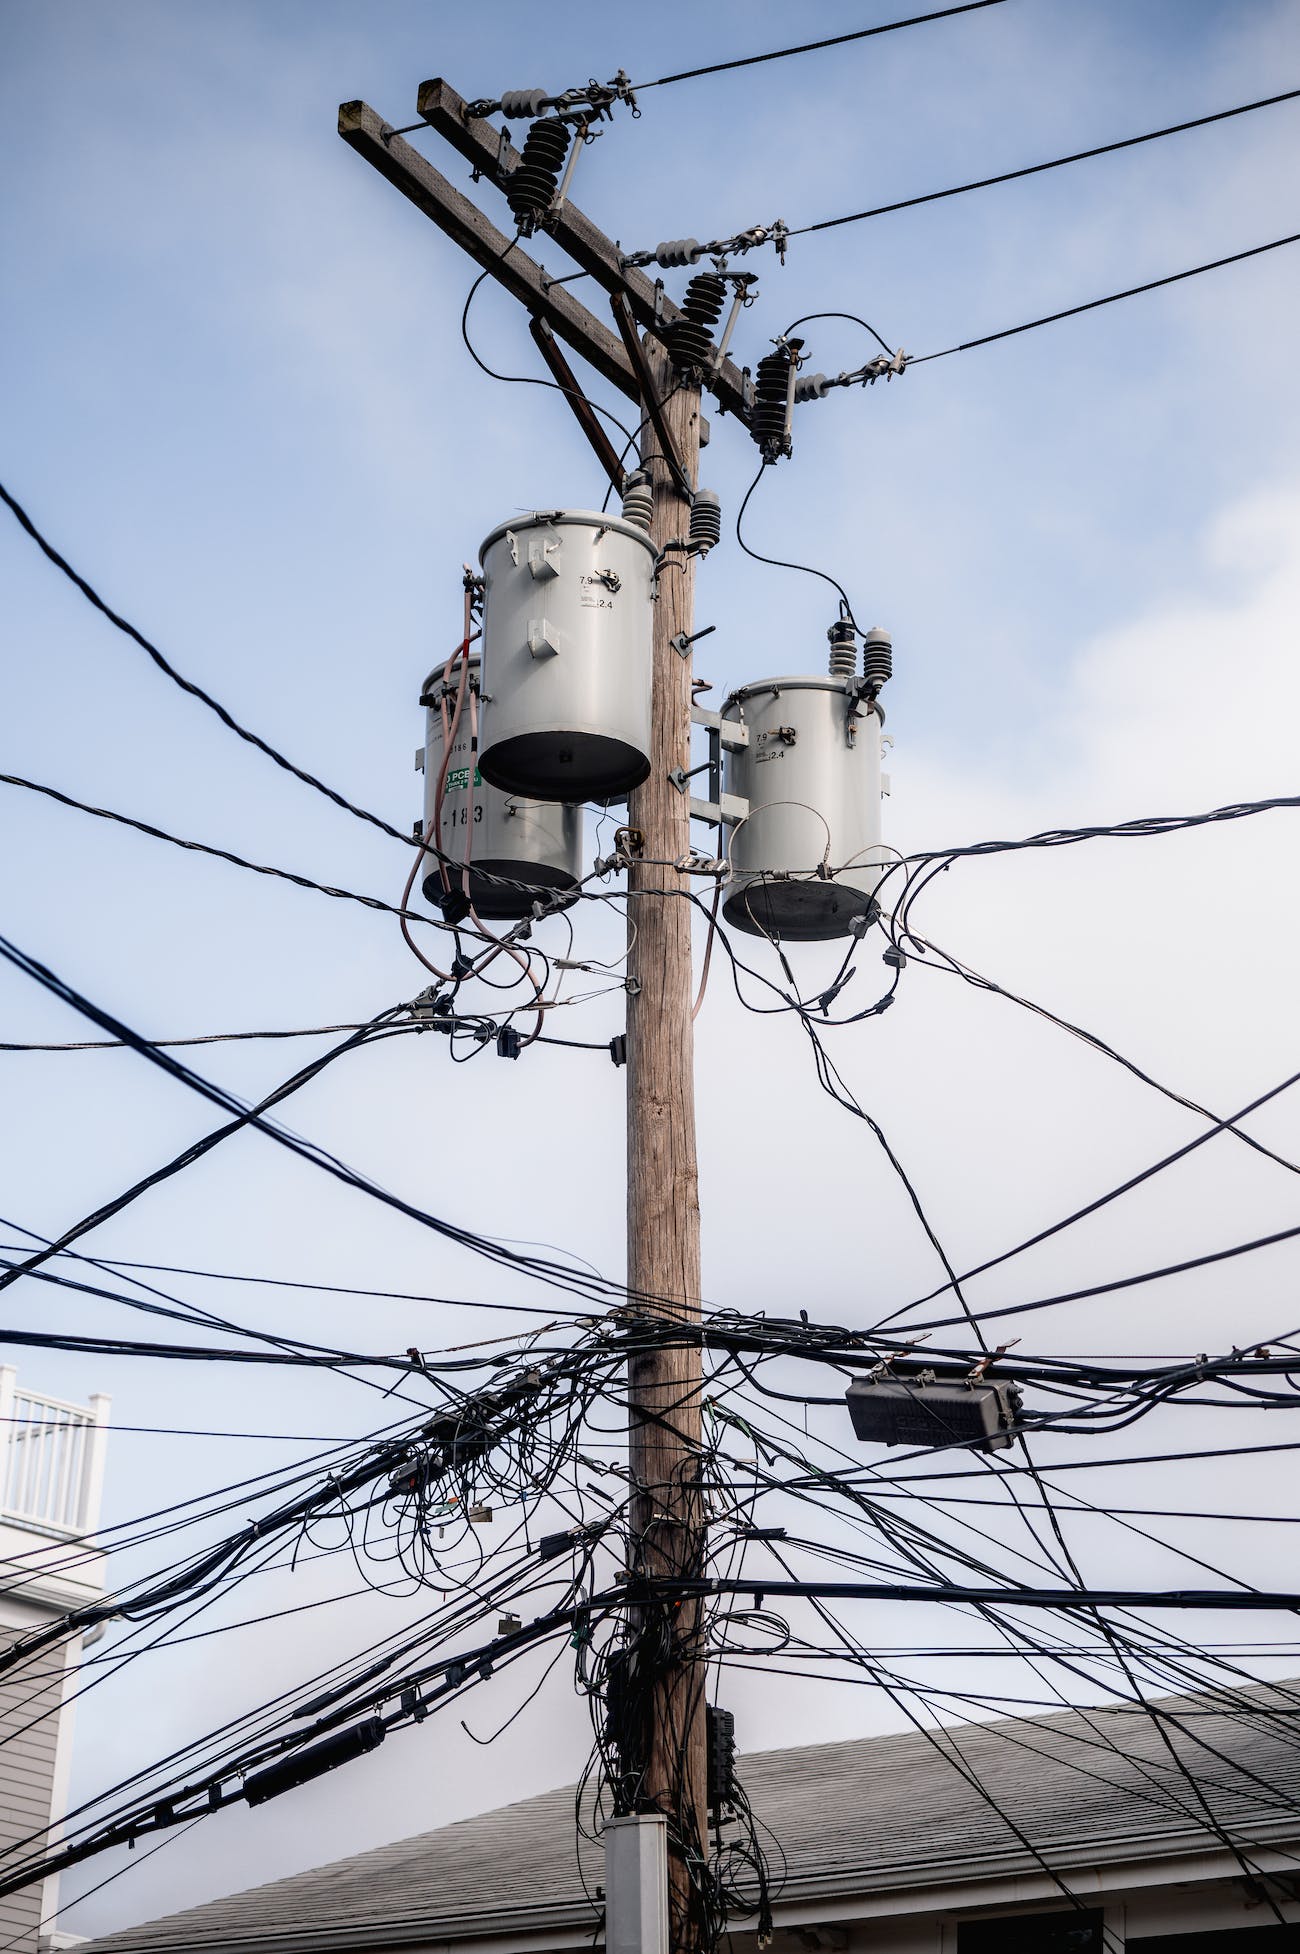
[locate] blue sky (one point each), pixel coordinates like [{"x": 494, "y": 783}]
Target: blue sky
[{"x": 234, "y": 394}]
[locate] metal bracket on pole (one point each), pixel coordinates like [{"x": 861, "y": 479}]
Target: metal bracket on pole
[
  {"x": 584, "y": 413},
  {"x": 682, "y": 644},
  {"x": 726, "y": 812},
  {"x": 636, "y": 1884},
  {"x": 649, "y": 392},
  {"x": 720, "y": 809}
]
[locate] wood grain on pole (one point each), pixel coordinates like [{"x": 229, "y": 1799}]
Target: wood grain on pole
[{"x": 663, "y": 1210}]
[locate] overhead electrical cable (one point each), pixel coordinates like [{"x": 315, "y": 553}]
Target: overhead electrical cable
[
  {"x": 1111, "y": 298},
  {"x": 195, "y": 691},
  {"x": 1037, "y": 169},
  {"x": 116, "y": 1262},
  {"x": 1141, "y": 827},
  {"x": 541, "y": 1268},
  {"x": 206, "y": 1038},
  {"x": 1208, "y": 1260},
  {"x": 222, "y": 854},
  {"x": 814, "y": 47}
]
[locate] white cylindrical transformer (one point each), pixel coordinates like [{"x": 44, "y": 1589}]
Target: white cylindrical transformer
[
  {"x": 567, "y": 625},
  {"x": 807, "y": 857},
  {"x": 518, "y": 850}
]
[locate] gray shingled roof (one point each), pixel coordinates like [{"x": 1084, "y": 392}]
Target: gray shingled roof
[{"x": 867, "y": 1815}]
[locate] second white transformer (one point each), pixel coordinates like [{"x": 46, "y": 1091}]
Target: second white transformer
[
  {"x": 807, "y": 857},
  {"x": 515, "y": 851}
]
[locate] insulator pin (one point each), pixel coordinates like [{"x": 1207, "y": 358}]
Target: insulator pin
[
  {"x": 844, "y": 655},
  {"x": 690, "y": 338},
  {"x": 812, "y": 386},
  {"x": 535, "y": 178},
  {"x": 877, "y": 658},
  {"x": 638, "y": 500},
  {"x": 706, "y": 521},
  {"x": 520, "y": 102},
  {"x": 771, "y": 399},
  {"x": 678, "y": 251}
]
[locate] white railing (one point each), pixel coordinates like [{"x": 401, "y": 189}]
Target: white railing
[{"x": 51, "y": 1458}]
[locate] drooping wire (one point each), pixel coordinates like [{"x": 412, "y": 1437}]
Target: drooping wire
[
  {"x": 195, "y": 691},
  {"x": 814, "y": 47},
  {"x": 779, "y": 563},
  {"x": 1037, "y": 169},
  {"x": 1111, "y": 298}
]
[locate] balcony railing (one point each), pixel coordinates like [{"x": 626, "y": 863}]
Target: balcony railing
[{"x": 51, "y": 1458}]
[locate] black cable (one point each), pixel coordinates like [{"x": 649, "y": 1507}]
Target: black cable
[
  {"x": 1120, "y": 1282},
  {"x": 866, "y": 325},
  {"x": 166, "y": 1044},
  {"x": 1111, "y": 298},
  {"x": 555, "y": 1273},
  {"x": 1037, "y": 169},
  {"x": 186, "y": 1352},
  {"x": 778, "y": 563},
  {"x": 326, "y": 1288},
  {"x": 207, "y": 848},
  {"x": 164, "y": 665},
  {"x": 1142, "y": 825},
  {"x": 812, "y": 47},
  {"x": 528, "y": 379}
]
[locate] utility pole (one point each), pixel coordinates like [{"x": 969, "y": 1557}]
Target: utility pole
[
  {"x": 663, "y": 1219},
  {"x": 663, "y": 1206}
]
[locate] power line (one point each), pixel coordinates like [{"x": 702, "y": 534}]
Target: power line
[
  {"x": 195, "y": 691},
  {"x": 207, "y": 848},
  {"x": 208, "y": 1038},
  {"x": 1112, "y": 298},
  {"x": 553, "y": 1272},
  {"x": 813, "y": 47},
  {"x": 1037, "y": 169},
  {"x": 326, "y": 1288}
]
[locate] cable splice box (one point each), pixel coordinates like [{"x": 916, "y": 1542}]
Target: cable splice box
[{"x": 922, "y": 1410}]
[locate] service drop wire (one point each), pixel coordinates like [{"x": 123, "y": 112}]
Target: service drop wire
[
  {"x": 165, "y": 1304},
  {"x": 541, "y": 1268},
  {"x": 462, "y": 1436},
  {"x": 244, "y": 1115},
  {"x": 195, "y": 691},
  {"x": 1101, "y": 1201}
]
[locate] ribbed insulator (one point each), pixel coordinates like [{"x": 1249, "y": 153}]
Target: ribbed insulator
[
  {"x": 706, "y": 521},
  {"x": 679, "y": 251},
  {"x": 690, "y": 338},
  {"x": 520, "y": 102},
  {"x": 533, "y": 183},
  {"x": 811, "y": 386},
  {"x": 771, "y": 384},
  {"x": 844, "y": 656},
  {"x": 638, "y": 501},
  {"x": 877, "y": 658}
]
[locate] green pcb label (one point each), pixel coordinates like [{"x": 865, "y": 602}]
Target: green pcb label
[{"x": 458, "y": 779}]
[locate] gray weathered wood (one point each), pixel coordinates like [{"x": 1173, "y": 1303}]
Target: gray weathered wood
[
  {"x": 370, "y": 136},
  {"x": 583, "y": 411},
  {"x": 482, "y": 146}
]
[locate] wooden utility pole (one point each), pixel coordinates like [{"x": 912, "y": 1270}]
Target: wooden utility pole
[
  {"x": 663, "y": 1206},
  {"x": 663, "y": 1216}
]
